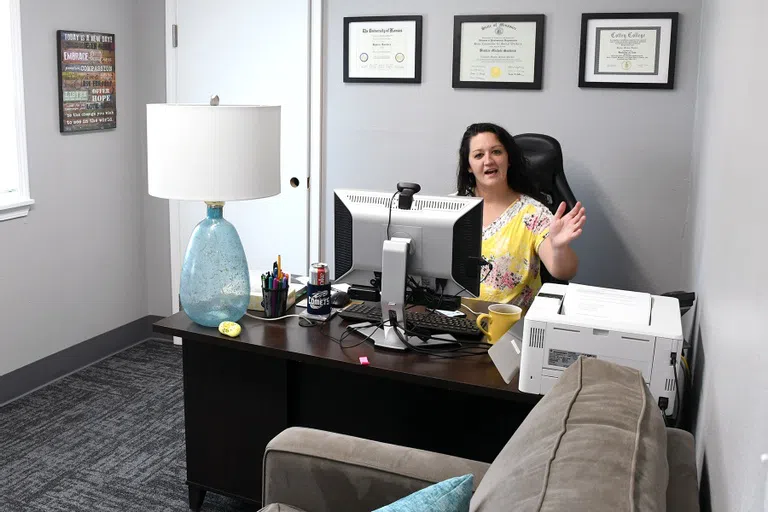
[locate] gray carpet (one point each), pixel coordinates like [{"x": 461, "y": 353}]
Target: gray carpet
[{"x": 107, "y": 438}]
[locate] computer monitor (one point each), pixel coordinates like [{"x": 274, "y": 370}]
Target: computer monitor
[{"x": 438, "y": 238}]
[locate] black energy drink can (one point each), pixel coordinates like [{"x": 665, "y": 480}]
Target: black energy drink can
[{"x": 319, "y": 290}]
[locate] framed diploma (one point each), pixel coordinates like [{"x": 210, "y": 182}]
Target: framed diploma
[
  {"x": 382, "y": 49},
  {"x": 504, "y": 51},
  {"x": 628, "y": 50}
]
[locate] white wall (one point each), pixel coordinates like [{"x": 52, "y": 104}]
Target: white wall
[
  {"x": 149, "y": 29},
  {"x": 627, "y": 152},
  {"x": 79, "y": 264},
  {"x": 728, "y": 253}
]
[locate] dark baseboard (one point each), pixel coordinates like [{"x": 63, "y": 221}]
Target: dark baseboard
[{"x": 40, "y": 373}]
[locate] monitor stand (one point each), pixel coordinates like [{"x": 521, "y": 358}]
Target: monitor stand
[
  {"x": 379, "y": 337},
  {"x": 394, "y": 262}
]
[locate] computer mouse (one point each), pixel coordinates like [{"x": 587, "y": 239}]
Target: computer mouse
[{"x": 339, "y": 299}]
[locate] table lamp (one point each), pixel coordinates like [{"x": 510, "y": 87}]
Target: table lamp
[{"x": 213, "y": 153}]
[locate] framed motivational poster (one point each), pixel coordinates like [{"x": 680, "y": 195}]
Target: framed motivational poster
[{"x": 86, "y": 62}]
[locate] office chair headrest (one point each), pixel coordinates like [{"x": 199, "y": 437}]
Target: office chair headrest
[{"x": 544, "y": 155}]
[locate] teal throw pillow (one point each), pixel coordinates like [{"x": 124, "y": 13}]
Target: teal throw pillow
[{"x": 450, "y": 495}]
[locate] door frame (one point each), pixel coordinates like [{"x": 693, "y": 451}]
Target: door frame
[{"x": 315, "y": 9}]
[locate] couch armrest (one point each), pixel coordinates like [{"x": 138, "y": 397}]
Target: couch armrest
[
  {"x": 322, "y": 472},
  {"x": 683, "y": 487}
]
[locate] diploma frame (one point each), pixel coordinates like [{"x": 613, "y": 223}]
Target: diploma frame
[
  {"x": 459, "y": 60},
  {"x": 383, "y": 76},
  {"x": 663, "y": 74}
]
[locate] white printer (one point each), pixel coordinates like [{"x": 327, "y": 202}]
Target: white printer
[{"x": 637, "y": 330}]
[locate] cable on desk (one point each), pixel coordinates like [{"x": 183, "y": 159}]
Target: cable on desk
[
  {"x": 429, "y": 297},
  {"x": 490, "y": 268},
  {"x": 311, "y": 322},
  {"x": 340, "y": 341},
  {"x": 350, "y": 331},
  {"x": 470, "y": 310},
  {"x": 272, "y": 319},
  {"x": 439, "y": 301}
]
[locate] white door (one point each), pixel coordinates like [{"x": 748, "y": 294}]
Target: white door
[{"x": 250, "y": 52}]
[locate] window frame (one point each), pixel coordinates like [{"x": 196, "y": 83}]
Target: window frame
[{"x": 17, "y": 204}]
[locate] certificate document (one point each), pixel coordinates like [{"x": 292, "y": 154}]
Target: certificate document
[
  {"x": 627, "y": 50},
  {"x": 498, "y": 51},
  {"x": 382, "y": 49}
]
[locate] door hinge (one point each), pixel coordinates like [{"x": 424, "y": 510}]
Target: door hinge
[
  {"x": 307, "y": 182},
  {"x": 174, "y": 35}
]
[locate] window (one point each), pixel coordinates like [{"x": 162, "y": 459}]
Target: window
[{"x": 14, "y": 184}]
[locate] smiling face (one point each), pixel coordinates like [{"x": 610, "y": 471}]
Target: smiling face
[{"x": 488, "y": 161}]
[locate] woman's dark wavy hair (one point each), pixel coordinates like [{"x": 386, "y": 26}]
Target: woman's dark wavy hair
[{"x": 518, "y": 178}]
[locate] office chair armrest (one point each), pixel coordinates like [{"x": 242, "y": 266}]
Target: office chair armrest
[
  {"x": 323, "y": 471},
  {"x": 561, "y": 184}
]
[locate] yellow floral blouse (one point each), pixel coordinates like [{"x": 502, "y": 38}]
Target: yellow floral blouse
[{"x": 511, "y": 244}]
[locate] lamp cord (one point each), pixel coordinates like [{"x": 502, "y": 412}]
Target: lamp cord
[{"x": 271, "y": 319}]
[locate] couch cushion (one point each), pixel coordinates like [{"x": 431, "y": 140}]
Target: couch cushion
[
  {"x": 329, "y": 472},
  {"x": 450, "y": 495},
  {"x": 596, "y": 442},
  {"x": 683, "y": 488}
]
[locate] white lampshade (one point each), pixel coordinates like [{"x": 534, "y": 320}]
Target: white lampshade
[{"x": 213, "y": 153}]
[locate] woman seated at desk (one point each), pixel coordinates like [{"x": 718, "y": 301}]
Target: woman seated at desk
[{"x": 518, "y": 231}]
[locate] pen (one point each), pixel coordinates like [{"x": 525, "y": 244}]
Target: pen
[{"x": 279, "y": 267}]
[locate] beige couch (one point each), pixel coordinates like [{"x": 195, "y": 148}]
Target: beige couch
[{"x": 596, "y": 442}]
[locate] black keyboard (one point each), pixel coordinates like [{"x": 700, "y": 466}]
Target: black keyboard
[{"x": 416, "y": 321}]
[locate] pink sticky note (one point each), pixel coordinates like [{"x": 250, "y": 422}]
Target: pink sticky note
[{"x": 364, "y": 361}]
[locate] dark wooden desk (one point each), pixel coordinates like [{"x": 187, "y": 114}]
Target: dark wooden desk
[{"x": 240, "y": 393}]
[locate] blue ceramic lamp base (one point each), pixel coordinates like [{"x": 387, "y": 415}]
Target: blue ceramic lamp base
[{"x": 215, "y": 283}]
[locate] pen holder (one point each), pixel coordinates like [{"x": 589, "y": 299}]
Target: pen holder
[
  {"x": 319, "y": 299},
  {"x": 274, "y": 302}
]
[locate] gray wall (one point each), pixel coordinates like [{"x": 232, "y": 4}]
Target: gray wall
[
  {"x": 77, "y": 266},
  {"x": 627, "y": 152},
  {"x": 727, "y": 255}
]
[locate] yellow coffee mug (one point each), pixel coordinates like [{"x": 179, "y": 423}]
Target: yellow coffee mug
[{"x": 501, "y": 317}]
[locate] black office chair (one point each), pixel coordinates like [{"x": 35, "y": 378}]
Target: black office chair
[
  {"x": 545, "y": 159},
  {"x": 545, "y": 162}
]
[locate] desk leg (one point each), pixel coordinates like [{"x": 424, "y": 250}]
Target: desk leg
[
  {"x": 196, "y": 497},
  {"x": 235, "y": 402}
]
